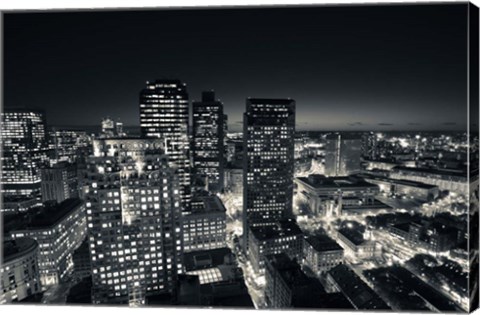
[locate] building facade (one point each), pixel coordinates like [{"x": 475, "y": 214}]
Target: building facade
[
  {"x": 19, "y": 270},
  {"x": 59, "y": 230},
  {"x": 321, "y": 253},
  {"x": 25, "y": 149},
  {"x": 208, "y": 148},
  {"x": 205, "y": 227},
  {"x": 134, "y": 221},
  {"x": 283, "y": 237},
  {"x": 268, "y": 163},
  {"x": 59, "y": 182},
  {"x": 164, "y": 114}
]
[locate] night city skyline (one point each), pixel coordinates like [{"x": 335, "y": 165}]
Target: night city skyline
[
  {"x": 305, "y": 158},
  {"x": 405, "y": 63}
]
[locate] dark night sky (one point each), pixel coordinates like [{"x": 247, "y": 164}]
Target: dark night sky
[{"x": 363, "y": 68}]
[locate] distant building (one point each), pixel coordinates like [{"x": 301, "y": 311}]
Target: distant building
[
  {"x": 59, "y": 230},
  {"x": 208, "y": 140},
  {"x": 19, "y": 270},
  {"x": 24, "y": 151},
  {"x": 342, "y": 155},
  {"x": 361, "y": 296},
  {"x": 64, "y": 145},
  {"x": 417, "y": 190},
  {"x": 112, "y": 129},
  {"x": 234, "y": 181},
  {"x": 12, "y": 204},
  {"x": 355, "y": 245},
  {"x": 134, "y": 221},
  {"x": 283, "y": 237},
  {"x": 452, "y": 180},
  {"x": 328, "y": 196},
  {"x": 269, "y": 136},
  {"x": 322, "y": 253},
  {"x": 59, "y": 182},
  {"x": 204, "y": 227},
  {"x": 164, "y": 114},
  {"x": 286, "y": 283}
]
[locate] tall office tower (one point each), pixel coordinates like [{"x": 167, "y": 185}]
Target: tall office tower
[
  {"x": 164, "y": 114},
  {"x": 268, "y": 164},
  {"x": 342, "y": 155},
  {"x": 134, "y": 221},
  {"x": 24, "y": 151},
  {"x": 208, "y": 140}
]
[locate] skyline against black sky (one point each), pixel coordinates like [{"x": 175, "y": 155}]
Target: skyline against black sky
[{"x": 347, "y": 68}]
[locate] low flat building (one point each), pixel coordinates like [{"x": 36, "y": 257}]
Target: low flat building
[
  {"x": 345, "y": 280},
  {"x": 444, "y": 179},
  {"x": 328, "y": 196},
  {"x": 283, "y": 237},
  {"x": 204, "y": 227},
  {"x": 59, "y": 229},
  {"x": 321, "y": 253},
  {"x": 12, "y": 204},
  {"x": 417, "y": 190},
  {"x": 19, "y": 270},
  {"x": 355, "y": 245}
]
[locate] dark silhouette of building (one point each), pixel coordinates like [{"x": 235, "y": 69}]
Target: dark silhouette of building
[
  {"x": 208, "y": 148},
  {"x": 268, "y": 169},
  {"x": 59, "y": 182}
]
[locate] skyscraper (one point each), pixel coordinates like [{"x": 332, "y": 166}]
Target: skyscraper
[
  {"x": 24, "y": 151},
  {"x": 208, "y": 140},
  {"x": 268, "y": 135},
  {"x": 134, "y": 221},
  {"x": 164, "y": 114},
  {"x": 342, "y": 155}
]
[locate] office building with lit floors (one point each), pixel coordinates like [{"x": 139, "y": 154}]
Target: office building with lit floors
[
  {"x": 19, "y": 276},
  {"x": 134, "y": 221},
  {"x": 343, "y": 154},
  {"x": 164, "y": 114},
  {"x": 321, "y": 253},
  {"x": 24, "y": 151},
  {"x": 59, "y": 229},
  {"x": 208, "y": 140},
  {"x": 268, "y": 163},
  {"x": 205, "y": 226},
  {"x": 283, "y": 237}
]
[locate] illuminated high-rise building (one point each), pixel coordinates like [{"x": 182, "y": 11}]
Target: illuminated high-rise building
[
  {"x": 134, "y": 221},
  {"x": 208, "y": 140},
  {"x": 268, "y": 135},
  {"x": 164, "y": 114},
  {"x": 24, "y": 149},
  {"x": 342, "y": 155}
]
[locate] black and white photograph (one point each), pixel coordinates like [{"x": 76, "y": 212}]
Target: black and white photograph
[{"x": 315, "y": 157}]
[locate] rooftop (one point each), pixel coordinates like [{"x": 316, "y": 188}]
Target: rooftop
[
  {"x": 323, "y": 243},
  {"x": 321, "y": 181},
  {"x": 207, "y": 204},
  {"x": 18, "y": 247},
  {"x": 354, "y": 236},
  {"x": 357, "y": 291},
  {"x": 207, "y": 258},
  {"x": 282, "y": 228},
  {"x": 42, "y": 217}
]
